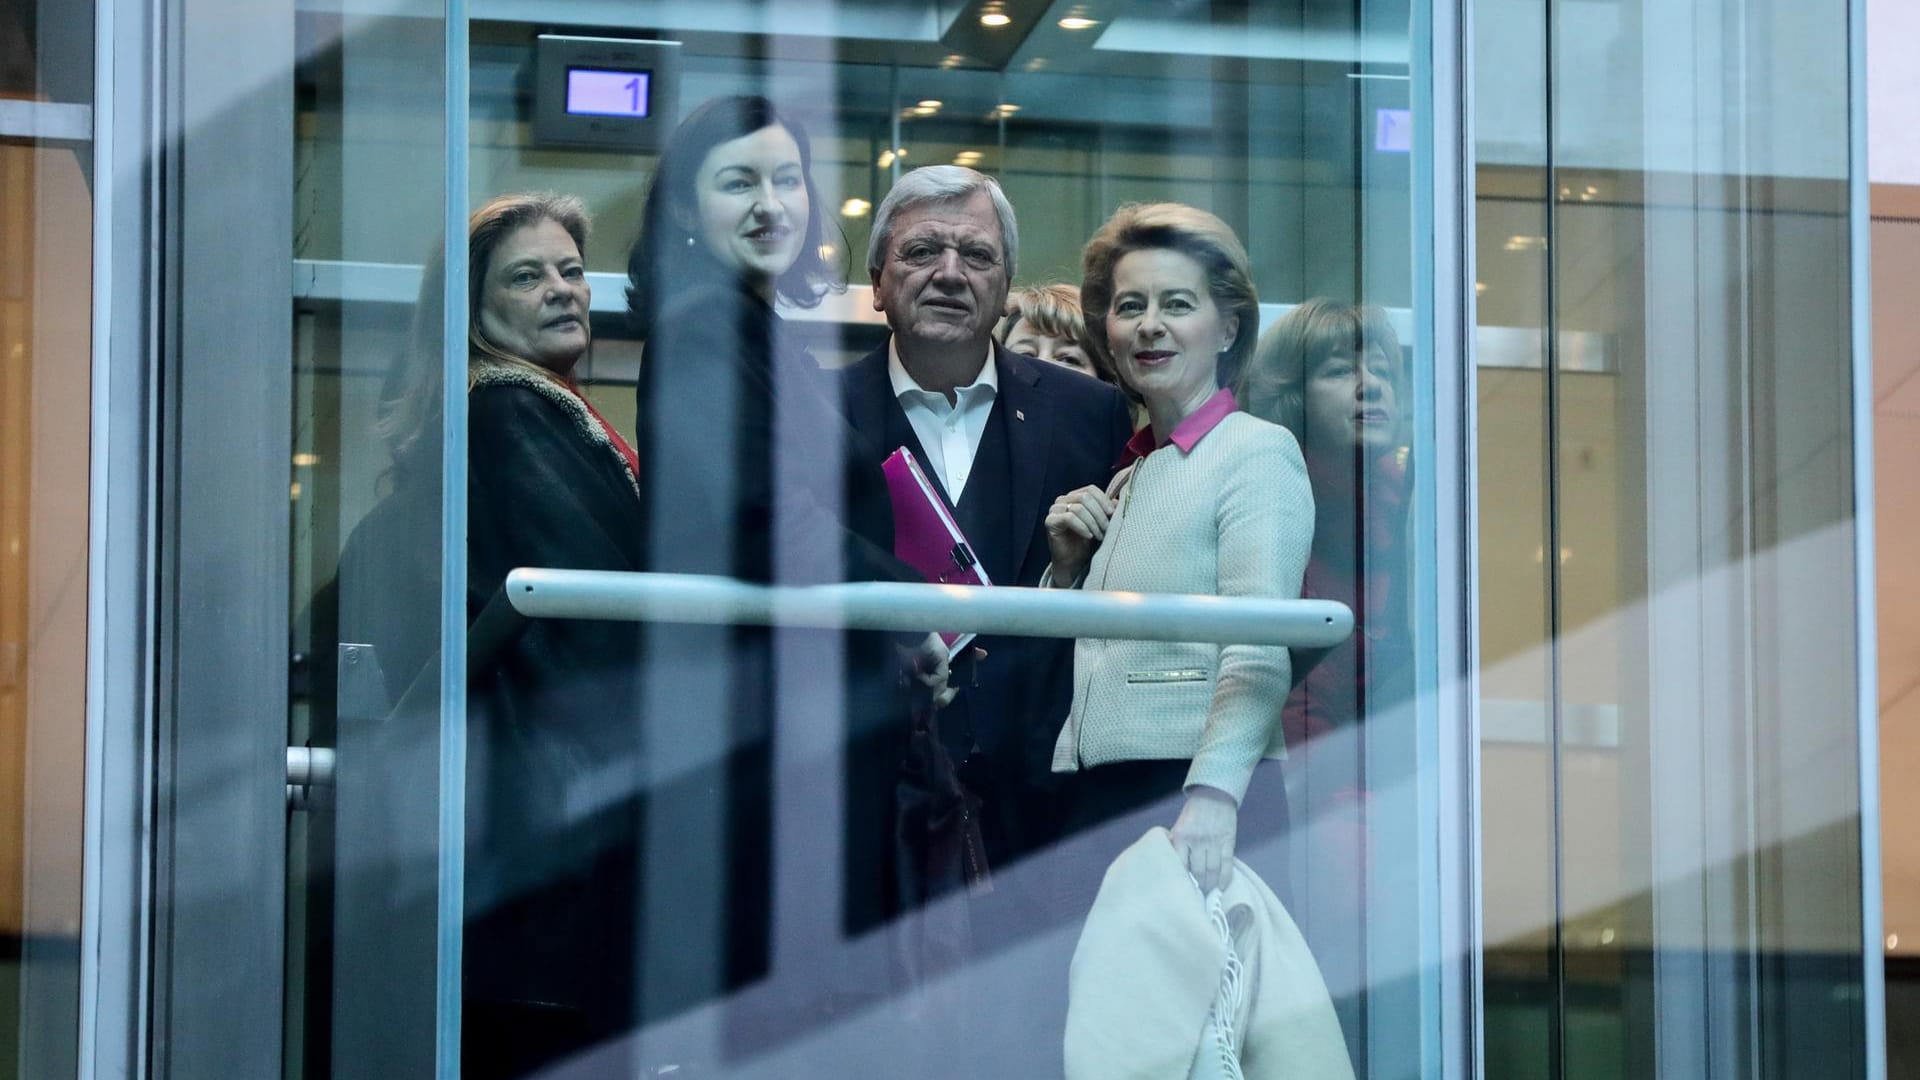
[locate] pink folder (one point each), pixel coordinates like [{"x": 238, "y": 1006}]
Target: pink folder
[{"x": 925, "y": 536}]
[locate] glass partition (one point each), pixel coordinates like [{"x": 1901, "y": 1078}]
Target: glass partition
[
  {"x": 1674, "y": 871},
  {"x": 366, "y": 487},
  {"x": 46, "y": 207},
  {"x": 740, "y": 850}
]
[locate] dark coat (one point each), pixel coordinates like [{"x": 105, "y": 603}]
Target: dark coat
[
  {"x": 554, "y": 742},
  {"x": 747, "y": 474},
  {"x": 1063, "y": 430}
]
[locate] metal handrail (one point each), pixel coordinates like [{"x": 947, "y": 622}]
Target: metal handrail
[{"x": 1068, "y": 613}]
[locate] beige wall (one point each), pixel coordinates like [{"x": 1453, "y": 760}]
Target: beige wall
[
  {"x": 44, "y": 408},
  {"x": 1896, "y": 416}
]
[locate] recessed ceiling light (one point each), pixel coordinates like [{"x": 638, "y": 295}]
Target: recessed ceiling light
[
  {"x": 1006, "y": 109},
  {"x": 1078, "y": 22},
  {"x": 931, "y": 103},
  {"x": 853, "y": 208},
  {"x": 922, "y": 110},
  {"x": 995, "y": 19}
]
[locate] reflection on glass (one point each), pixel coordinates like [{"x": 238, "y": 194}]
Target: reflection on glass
[
  {"x": 366, "y": 484},
  {"x": 1335, "y": 375},
  {"x": 1673, "y": 856},
  {"x": 829, "y": 326}
]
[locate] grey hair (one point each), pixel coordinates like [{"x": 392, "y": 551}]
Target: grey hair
[{"x": 941, "y": 183}]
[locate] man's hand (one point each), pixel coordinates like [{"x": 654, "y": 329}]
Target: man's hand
[{"x": 929, "y": 666}]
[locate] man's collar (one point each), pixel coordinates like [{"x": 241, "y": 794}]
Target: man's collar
[{"x": 904, "y": 383}]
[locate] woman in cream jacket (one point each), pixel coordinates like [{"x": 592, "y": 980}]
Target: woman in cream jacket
[{"x": 1213, "y": 501}]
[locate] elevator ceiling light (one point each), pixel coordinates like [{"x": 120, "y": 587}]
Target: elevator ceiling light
[
  {"x": 855, "y": 208},
  {"x": 995, "y": 19},
  {"x": 1078, "y": 22}
]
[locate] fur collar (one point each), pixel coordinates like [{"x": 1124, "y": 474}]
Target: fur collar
[{"x": 567, "y": 401}]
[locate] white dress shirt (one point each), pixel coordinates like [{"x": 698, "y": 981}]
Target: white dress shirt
[{"x": 950, "y": 433}]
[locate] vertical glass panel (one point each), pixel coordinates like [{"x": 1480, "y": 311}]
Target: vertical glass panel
[
  {"x": 46, "y": 209},
  {"x": 1702, "y": 715},
  {"x": 1517, "y": 764},
  {"x": 1896, "y": 255},
  {"x": 741, "y": 850},
  {"x": 366, "y": 476}
]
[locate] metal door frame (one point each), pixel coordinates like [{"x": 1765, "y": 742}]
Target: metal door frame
[{"x": 183, "y": 924}]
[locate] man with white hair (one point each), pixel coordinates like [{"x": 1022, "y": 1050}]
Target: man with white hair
[{"x": 1001, "y": 436}]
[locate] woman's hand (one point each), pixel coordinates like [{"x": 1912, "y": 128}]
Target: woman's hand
[
  {"x": 1204, "y": 834},
  {"x": 1076, "y": 523}
]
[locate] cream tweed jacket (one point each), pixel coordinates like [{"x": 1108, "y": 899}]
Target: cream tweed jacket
[{"x": 1233, "y": 517}]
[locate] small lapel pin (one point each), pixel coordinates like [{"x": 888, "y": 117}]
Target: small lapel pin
[{"x": 1019, "y": 415}]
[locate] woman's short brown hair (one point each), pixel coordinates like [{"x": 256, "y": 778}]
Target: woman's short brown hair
[
  {"x": 1273, "y": 385},
  {"x": 1192, "y": 232}
]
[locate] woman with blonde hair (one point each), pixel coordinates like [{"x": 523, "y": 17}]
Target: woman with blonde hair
[{"x": 1215, "y": 501}]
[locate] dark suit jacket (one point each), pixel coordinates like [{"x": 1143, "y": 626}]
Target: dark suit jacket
[{"x": 1064, "y": 430}]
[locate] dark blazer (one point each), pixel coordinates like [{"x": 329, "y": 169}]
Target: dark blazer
[
  {"x": 749, "y": 471},
  {"x": 1062, "y": 430}
]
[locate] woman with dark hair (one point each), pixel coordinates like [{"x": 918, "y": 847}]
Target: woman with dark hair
[{"x": 749, "y": 472}]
